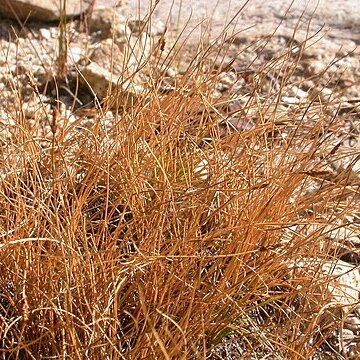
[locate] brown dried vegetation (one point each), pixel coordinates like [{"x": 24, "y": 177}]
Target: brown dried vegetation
[{"x": 160, "y": 236}]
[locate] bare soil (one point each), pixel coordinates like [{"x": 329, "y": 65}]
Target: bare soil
[{"x": 340, "y": 19}]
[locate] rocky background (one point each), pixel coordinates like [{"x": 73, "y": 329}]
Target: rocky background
[{"x": 29, "y": 62}]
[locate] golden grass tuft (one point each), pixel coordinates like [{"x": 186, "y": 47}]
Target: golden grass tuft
[{"x": 143, "y": 241}]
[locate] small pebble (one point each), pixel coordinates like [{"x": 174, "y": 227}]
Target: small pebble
[{"x": 45, "y": 33}]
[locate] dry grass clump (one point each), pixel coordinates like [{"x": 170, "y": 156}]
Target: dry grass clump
[{"x": 161, "y": 235}]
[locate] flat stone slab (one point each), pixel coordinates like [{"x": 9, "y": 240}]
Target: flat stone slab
[{"x": 42, "y": 10}]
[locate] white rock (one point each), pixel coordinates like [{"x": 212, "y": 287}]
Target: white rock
[
  {"x": 291, "y": 100},
  {"x": 45, "y": 33},
  {"x": 171, "y": 72},
  {"x": 341, "y": 279},
  {"x": 158, "y": 28},
  {"x": 297, "y": 92},
  {"x": 352, "y": 323},
  {"x": 345, "y": 285},
  {"x": 108, "y": 23},
  {"x": 103, "y": 82},
  {"x": 202, "y": 170},
  {"x": 74, "y": 54}
]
